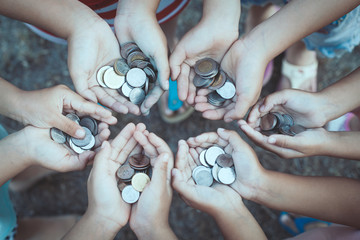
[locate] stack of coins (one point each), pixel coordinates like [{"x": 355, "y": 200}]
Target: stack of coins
[
  {"x": 210, "y": 76},
  {"x": 216, "y": 164},
  {"x": 131, "y": 75},
  {"x": 133, "y": 176},
  {"x": 90, "y": 126},
  {"x": 275, "y": 122}
]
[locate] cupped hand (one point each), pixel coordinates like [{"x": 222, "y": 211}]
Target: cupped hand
[
  {"x": 90, "y": 48},
  {"x": 47, "y": 108},
  {"x": 141, "y": 26}
]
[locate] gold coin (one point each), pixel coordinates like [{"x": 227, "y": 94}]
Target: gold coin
[{"x": 139, "y": 181}]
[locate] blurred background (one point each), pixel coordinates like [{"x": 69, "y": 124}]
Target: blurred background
[{"x": 31, "y": 62}]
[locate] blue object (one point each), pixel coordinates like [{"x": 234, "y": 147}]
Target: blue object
[
  {"x": 300, "y": 223},
  {"x": 174, "y": 103}
]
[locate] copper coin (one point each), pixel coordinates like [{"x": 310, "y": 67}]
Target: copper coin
[
  {"x": 219, "y": 81},
  {"x": 121, "y": 67},
  {"x": 139, "y": 161},
  {"x": 127, "y": 48},
  {"x": 121, "y": 185},
  {"x": 268, "y": 122},
  {"x": 136, "y": 55},
  {"x": 206, "y": 67},
  {"x": 225, "y": 160},
  {"x": 125, "y": 172}
]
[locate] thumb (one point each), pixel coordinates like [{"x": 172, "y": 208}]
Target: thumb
[
  {"x": 177, "y": 57},
  {"x": 162, "y": 64},
  {"x": 285, "y": 141},
  {"x": 103, "y": 155},
  {"x": 70, "y": 127},
  {"x": 277, "y": 98},
  {"x": 161, "y": 173},
  {"x": 181, "y": 186}
]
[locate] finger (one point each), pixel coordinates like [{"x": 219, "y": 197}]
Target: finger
[
  {"x": 82, "y": 86},
  {"x": 255, "y": 115},
  {"x": 152, "y": 98},
  {"x": 160, "y": 145},
  {"x": 121, "y": 139},
  {"x": 70, "y": 127},
  {"x": 162, "y": 64},
  {"x": 192, "y": 88},
  {"x": 102, "y": 158},
  {"x": 107, "y": 100},
  {"x": 277, "y": 98},
  {"x": 149, "y": 149},
  {"x": 181, "y": 155},
  {"x": 103, "y": 134},
  {"x": 161, "y": 173},
  {"x": 183, "y": 87},
  {"x": 177, "y": 57},
  {"x": 183, "y": 79},
  {"x": 187, "y": 190}
]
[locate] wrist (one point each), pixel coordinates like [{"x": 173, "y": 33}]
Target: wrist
[
  {"x": 158, "y": 232},
  {"x": 101, "y": 224}
]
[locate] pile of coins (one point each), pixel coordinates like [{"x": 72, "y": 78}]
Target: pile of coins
[
  {"x": 90, "y": 126},
  {"x": 133, "y": 176},
  {"x": 273, "y": 123},
  {"x": 131, "y": 75},
  {"x": 216, "y": 164},
  {"x": 210, "y": 76}
]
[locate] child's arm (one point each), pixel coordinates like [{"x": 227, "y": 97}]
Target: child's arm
[
  {"x": 211, "y": 37},
  {"x": 331, "y": 199}
]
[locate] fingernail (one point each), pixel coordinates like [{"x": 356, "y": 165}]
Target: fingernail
[
  {"x": 221, "y": 129},
  {"x": 262, "y": 108},
  {"x": 80, "y": 133},
  {"x": 271, "y": 140}
]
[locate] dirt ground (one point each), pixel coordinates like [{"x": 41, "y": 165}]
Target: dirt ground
[{"x": 31, "y": 63}]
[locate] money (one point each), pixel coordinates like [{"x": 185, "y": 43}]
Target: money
[
  {"x": 133, "y": 71},
  {"x": 274, "y": 123},
  {"x": 216, "y": 165},
  {"x": 79, "y": 146}
]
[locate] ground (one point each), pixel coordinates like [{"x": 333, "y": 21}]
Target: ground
[{"x": 31, "y": 63}]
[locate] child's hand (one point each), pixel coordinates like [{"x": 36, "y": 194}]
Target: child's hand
[
  {"x": 307, "y": 109},
  {"x": 155, "y": 200},
  {"x": 204, "y": 40},
  {"x": 309, "y": 143},
  {"x": 138, "y": 24},
  {"x": 211, "y": 200},
  {"x": 90, "y": 48},
  {"x": 46, "y": 108}
]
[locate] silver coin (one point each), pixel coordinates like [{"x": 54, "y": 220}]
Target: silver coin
[
  {"x": 197, "y": 169},
  {"x": 268, "y": 122},
  {"x": 100, "y": 75},
  {"x": 136, "y": 77},
  {"x": 215, "y": 171},
  {"x": 89, "y": 123},
  {"x": 126, "y": 89},
  {"x": 73, "y": 117},
  {"x": 76, "y": 149},
  {"x": 130, "y": 195},
  {"x": 212, "y": 153},
  {"x": 201, "y": 82},
  {"x": 286, "y": 130},
  {"x": 215, "y": 99},
  {"x": 296, "y": 129},
  {"x": 112, "y": 79},
  {"x": 202, "y": 176},
  {"x": 137, "y": 96},
  {"x": 90, "y": 145},
  {"x": 202, "y": 158},
  {"x": 85, "y": 141},
  {"x": 227, "y": 91},
  {"x": 288, "y": 120},
  {"x": 226, "y": 175},
  {"x": 57, "y": 135},
  {"x": 146, "y": 88}
]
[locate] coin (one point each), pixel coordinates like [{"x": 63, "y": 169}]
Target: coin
[
  {"x": 227, "y": 91},
  {"x": 126, "y": 89},
  {"x": 212, "y": 153},
  {"x": 296, "y": 129},
  {"x": 125, "y": 172},
  {"x": 268, "y": 122},
  {"x": 225, "y": 160},
  {"x": 135, "y": 55},
  {"x": 57, "y": 135},
  {"x": 286, "y": 130},
  {"x": 150, "y": 74},
  {"x": 202, "y": 176},
  {"x": 136, "y": 77},
  {"x": 89, "y": 123},
  {"x": 90, "y": 145},
  {"x": 139, "y": 181},
  {"x": 85, "y": 141},
  {"x": 219, "y": 81},
  {"x": 100, "y": 75},
  {"x": 121, "y": 185},
  {"x": 73, "y": 117},
  {"x": 206, "y": 67},
  {"x": 202, "y": 158},
  {"x": 130, "y": 195},
  {"x": 142, "y": 64},
  {"x": 215, "y": 171},
  {"x": 201, "y": 82},
  {"x": 139, "y": 161},
  {"x": 137, "y": 96},
  {"x": 128, "y": 48},
  {"x": 226, "y": 175},
  {"x": 76, "y": 149},
  {"x": 112, "y": 79},
  {"x": 288, "y": 120},
  {"x": 215, "y": 99},
  {"x": 121, "y": 67}
]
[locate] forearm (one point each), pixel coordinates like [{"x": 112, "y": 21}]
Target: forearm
[
  {"x": 90, "y": 227},
  {"x": 14, "y": 156},
  {"x": 57, "y": 17},
  {"x": 343, "y": 145},
  {"x": 10, "y": 98},
  {"x": 128, "y": 7},
  {"x": 342, "y": 96},
  {"x": 239, "y": 224},
  {"x": 332, "y": 199},
  {"x": 222, "y": 14},
  {"x": 293, "y": 22},
  {"x": 155, "y": 233}
]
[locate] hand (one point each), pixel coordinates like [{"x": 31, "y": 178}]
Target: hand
[
  {"x": 91, "y": 47},
  {"x": 45, "y": 108},
  {"x": 211, "y": 200},
  {"x": 308, "y": 143},
  {"x": 307, "y": 109},
  {"x": 155, "y": 200},
  {"x": 210, "y": 38},
  {"x": 138, "y": 24}
]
